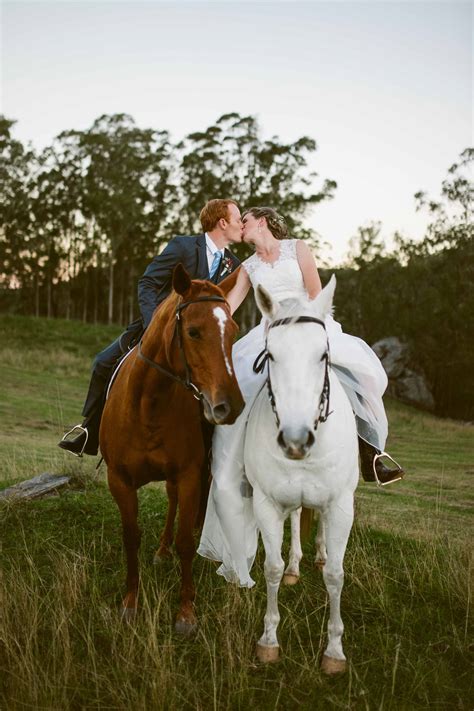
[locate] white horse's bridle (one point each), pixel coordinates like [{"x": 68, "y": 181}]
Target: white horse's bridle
[{"x": 265, "y": 356}]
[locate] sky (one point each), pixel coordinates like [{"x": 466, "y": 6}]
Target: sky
[{"x": 385, "y": 88}]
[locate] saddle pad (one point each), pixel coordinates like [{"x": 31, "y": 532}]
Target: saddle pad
[{"x": 116, "y": 370}]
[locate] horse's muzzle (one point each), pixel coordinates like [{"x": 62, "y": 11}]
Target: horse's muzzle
[
  {"x": 295, "y": 445},
  {"x": 224, "y": 412}
]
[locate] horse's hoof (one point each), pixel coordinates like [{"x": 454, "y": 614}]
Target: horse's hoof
[
  {"x": 290, "y": 579},
  {"x": 129, "y": 614},
  {"x": 267, "y": 655},
  {"x": 319, "y": 564},
  {"x": 329, "y": 665},
  {"x": 185, "y": 628}
]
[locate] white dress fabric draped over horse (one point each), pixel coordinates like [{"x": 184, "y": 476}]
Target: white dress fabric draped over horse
[{"x": 230, "y": 534}]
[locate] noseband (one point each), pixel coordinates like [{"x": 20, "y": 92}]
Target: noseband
[
  {"x": 264, "y": 357},
  {"x": 186, "y": 381}
]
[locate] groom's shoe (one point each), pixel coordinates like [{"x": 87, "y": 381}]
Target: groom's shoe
[
  {"x": 78, "y": 442},
  {"x": 373, "y": 469}
]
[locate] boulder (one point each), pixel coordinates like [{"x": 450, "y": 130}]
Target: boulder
[{"x": 406, "y": 380}]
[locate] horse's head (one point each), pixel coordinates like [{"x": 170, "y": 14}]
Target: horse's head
[
  {"x": 298, "y": 358},
  {"x": 203, "y": 334}
]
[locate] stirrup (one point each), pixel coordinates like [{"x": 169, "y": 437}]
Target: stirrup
[
  {"x": 392, "y": 481},
  {"x": 83, "y": 429}
]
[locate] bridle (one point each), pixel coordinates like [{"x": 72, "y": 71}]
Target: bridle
[
  {"x": 265, "y": 357},
  {"x": 186, "y": 381}
]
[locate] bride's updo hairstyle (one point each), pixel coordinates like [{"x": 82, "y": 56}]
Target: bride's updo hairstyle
[{"x": 275, "y": 222}]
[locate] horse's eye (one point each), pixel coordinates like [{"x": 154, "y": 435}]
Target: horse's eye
[
  {"x": 324, "y": 355},
  {"x": 194, "y": 332},
  {"x": 269, "y": 356}
]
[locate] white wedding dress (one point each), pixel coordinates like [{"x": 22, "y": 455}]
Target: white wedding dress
[{"x": 230, "y": 534}]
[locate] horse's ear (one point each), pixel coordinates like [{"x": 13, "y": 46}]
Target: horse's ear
[
  {"x": 181, "y": 279},
  {"x": 229, "y": 282},
  {"x": 323, "y": 301},
  {"x": 265, "y": 303}
]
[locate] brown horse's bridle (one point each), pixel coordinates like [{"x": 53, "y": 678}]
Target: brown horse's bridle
[{"x": 186, "y": 381}]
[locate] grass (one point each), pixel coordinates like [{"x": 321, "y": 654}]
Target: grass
[{"x": 405, "y": 602}]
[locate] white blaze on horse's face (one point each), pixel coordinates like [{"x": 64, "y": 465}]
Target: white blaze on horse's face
[
  {"x": 297, "y": 368},
  {"x": 221, "y": 318}
]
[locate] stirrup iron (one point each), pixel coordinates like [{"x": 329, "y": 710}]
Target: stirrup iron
[
  {"x": 388, "y": 456},
  {"x": 83, "y": 429}
]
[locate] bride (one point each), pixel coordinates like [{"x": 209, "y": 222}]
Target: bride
[{"x": 286, "y": 269}]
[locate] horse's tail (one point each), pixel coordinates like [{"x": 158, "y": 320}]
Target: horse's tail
[{"x": 306, "y": 523}]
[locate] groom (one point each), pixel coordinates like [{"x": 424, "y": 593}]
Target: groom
[{"x": 204, "y": 256}]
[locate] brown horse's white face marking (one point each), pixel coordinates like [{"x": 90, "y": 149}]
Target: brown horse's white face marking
[{"x": 221, "y": 318}]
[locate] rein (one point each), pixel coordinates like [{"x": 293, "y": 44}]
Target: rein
[
  {"x": 264, "y": 357},
  {"x": 186, "y": 381}
]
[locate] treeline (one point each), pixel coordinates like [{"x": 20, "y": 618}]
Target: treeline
[
  {"x": 422, "y": 292},
  {"x": 80, "y": 220}
]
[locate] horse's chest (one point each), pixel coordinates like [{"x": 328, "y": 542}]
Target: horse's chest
[{"x": 292, "y": 491}]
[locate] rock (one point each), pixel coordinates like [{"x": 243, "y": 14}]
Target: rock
[
  {"x": 32, "y": 488},
  {"x": 406, "y": 380}
]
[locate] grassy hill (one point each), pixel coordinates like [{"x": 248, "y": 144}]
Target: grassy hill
[{"x": 405, "y": 602}]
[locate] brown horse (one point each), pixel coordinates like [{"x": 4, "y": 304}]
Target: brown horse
[{"x": 152, "y": 423}]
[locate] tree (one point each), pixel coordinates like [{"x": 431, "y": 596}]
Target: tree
[{"x": 229, "y": 159}]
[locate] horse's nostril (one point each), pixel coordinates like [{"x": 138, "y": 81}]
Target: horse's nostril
[
  {"x": 310, "y": 440},
  {"x": 281, "y": 439},
  {"x": 221, "y": 411}
]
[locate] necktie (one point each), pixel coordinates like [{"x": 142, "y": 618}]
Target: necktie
[{"x": 215, "y": 264}]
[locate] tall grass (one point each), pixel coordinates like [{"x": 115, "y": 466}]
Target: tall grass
[{"x": 405, "y": 603}]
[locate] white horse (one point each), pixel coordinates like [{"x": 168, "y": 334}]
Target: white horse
[{"x": 301, "y": 450}]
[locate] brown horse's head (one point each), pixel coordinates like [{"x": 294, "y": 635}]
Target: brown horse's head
[{"x": 207, "y": 333}]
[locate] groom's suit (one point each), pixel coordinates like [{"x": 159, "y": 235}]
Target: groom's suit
[{"x": 153, "y": 287}]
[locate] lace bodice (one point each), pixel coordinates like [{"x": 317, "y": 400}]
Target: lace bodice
[{"x": 283, "y": 278}]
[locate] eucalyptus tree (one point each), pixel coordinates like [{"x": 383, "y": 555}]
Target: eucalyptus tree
[
  {"x": 17, "y": 256},
  {"x": 126, "y": 192},
  {"x": 230, "y": 159}
]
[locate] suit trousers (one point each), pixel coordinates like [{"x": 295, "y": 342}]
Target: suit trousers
[{"x": 102, "y": 370}]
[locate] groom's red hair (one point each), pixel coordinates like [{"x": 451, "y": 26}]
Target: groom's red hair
[{"x": 213, "y": 211}]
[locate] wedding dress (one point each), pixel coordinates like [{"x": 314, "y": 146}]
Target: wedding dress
[{"x": 229, "y": 533}]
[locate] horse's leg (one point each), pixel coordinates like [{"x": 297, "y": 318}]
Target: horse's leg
[
  {"x": 321, "y": 553},
  {"x": 166, "y": 538},
  {"x": 188, "y": 502},
  {"x": 270, "y": 522},
  {"x": 127, "y": 501},
  {"x": 338, "y": 523},
  {"x": 292, "y": 572}
]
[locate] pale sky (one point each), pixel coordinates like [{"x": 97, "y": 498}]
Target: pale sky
[{"x": 385, "y": 88}]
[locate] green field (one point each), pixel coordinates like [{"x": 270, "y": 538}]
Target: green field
[{"x": 405, "y": 602}]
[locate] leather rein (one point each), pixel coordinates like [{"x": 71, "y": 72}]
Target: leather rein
[
  {"x": 186, "y": 381},
  {"x": 265, "y": 357}
]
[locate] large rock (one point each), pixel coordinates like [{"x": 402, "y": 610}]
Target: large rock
[{"x": 406, "y": 380}]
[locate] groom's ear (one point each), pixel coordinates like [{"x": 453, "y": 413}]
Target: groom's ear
[
  {"x": 265, "y": 303},
  {"x": 229, "y": 282}
]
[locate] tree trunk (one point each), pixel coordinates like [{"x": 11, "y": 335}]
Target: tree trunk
[
  {"x": 49, "y": 309},
  {"x": 111, "y": 289},
  {"x": 123, "y": 291},
  {"x": 37, "y": 299},
  {"x": 86, "y": 295},
  {"x": 131, "y": 295}
]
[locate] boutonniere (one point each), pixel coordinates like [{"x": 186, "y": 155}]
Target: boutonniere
[{"x": 227, "y": 266}]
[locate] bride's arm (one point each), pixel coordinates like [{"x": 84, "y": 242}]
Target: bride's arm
[
  {"x": 239, "y": 291},
  {"x": 308, "y": 268}
]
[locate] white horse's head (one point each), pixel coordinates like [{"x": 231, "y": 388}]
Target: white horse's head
[{"x": 297, "y": 360}]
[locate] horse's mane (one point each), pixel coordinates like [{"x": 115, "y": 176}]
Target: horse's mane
[{"x": 288, "y": 308}]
